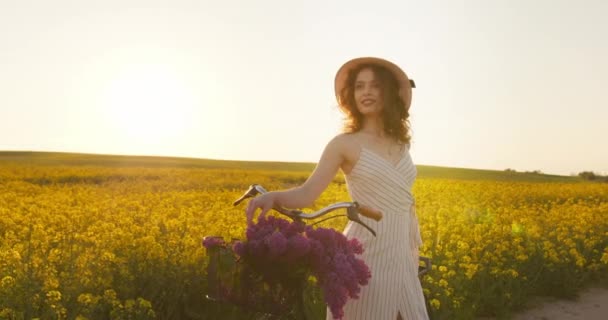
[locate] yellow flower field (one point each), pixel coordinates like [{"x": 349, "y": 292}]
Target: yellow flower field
[{"x": 83, "y": 242}]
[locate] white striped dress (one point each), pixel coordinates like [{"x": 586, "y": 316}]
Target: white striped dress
[{"x": 392, "y": 256}]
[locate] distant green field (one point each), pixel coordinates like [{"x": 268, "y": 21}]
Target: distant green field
[{"x": 79, "y": 159}]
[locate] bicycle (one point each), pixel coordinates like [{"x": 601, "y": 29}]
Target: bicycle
[{"x": 224, "y": 258}]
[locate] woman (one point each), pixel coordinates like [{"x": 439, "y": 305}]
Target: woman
[{"x": 373, "y": 153}]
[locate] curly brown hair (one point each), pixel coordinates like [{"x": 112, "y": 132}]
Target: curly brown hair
[{"x": 395, "y": 115}]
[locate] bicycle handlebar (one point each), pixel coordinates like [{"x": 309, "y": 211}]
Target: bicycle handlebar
[{"x": 353, "y": 209}]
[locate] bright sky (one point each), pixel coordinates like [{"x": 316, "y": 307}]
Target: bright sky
[{"x": 501, "y": 84}]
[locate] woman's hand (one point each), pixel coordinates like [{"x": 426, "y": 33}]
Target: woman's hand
[{"x": 265, "y": 202}]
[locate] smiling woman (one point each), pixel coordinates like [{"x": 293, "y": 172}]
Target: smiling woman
[{"x": 149, "y": 105}]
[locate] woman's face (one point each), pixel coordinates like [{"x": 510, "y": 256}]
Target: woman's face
[{"x": 368, "y": 94}]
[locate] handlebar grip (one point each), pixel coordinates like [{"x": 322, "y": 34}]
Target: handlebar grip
[{"x": 370, "y": 212}]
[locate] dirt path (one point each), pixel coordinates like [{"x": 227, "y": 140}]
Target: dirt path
[{"x": 592, "y": 304}]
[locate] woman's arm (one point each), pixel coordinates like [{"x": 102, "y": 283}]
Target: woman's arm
[{"x": 305, "y": 194}]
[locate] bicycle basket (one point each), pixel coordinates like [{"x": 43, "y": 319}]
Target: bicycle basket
[{"x": 233, "y": 280}]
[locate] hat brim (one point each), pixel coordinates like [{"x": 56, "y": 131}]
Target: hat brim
[{"x": 405, "y": 83}]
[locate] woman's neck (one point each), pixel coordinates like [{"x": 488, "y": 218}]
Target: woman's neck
[{"x": 373, "y": 126}]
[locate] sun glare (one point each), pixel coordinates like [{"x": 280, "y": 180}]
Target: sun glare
[{"x": 149, "y": 105}]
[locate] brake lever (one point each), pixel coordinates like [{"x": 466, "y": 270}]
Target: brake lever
[
  {"x": 253, "y": 190},
  {"x": 353, "y": 215}
]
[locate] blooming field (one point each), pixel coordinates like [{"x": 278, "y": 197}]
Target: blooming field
[{"x": 102, "y": 242}]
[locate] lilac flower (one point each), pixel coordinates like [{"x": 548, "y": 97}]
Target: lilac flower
[
  {"x": 295, "y": 228},
  {"x": 362, "y": 271},
  {"x": 335, "y": 295},
  {"x": 276, "y": 243},
  {"x": 239, "y": 248},
  {"x": 355, "y": 245},
  {"x": 297, "y": 246},
  {"x": 212, "y": 242},
  {"x": 283, "y": 253},
  {"x": 256, "y": 248}
]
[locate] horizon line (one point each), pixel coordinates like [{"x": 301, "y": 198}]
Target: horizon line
[{"x": 271, "y": 161}]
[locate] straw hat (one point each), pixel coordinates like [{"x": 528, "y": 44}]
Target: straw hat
[{"x": 405, "y": 84}]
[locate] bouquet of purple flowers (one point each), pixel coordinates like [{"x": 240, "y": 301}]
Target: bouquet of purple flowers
[{"x": 273, "y": 265}]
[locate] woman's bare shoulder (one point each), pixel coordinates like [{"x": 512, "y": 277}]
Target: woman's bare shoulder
[
  {"x": 345, "y": 141},
  {"x": 346, "y": 145}
]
